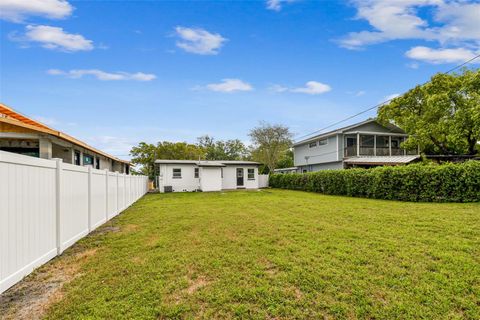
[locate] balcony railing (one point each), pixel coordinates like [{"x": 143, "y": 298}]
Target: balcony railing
[{"x": 351, "y": 151}]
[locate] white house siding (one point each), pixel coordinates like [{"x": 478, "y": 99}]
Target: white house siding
[
  {"x": 322, "y": 166},
  {"x": 230, "y": 177},
  {"x": 319, "y": 154},
  {"x": 187, "y": 182},
  {"x": 211, "y": 179}
]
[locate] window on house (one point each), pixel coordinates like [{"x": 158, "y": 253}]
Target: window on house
[
  {"x": 76, "y": 158},
  {"x": 196, "y": 173},
  {"x": 322, "y": 142},
  {"x": 127, "y": 169},
  {"x": 87, "y": 160},
  {"x": 177, "y": 173},
  {"x": 251, "y": 174},
  {"x": 97, "y": 163},
  {"x": 312, "y": 144},
  {"x": 221, "y": 172}
]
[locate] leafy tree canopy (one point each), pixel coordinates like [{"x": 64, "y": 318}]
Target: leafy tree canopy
[
  {"x": 441, "y": 116},
  {"x": 223, "y": 150},
  {"x": 270, "y": 143}
]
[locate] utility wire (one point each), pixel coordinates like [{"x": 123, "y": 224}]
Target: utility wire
[{"x": 379, "y": 104}]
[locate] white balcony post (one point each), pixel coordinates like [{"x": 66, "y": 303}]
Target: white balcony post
[
  {"x": 390, "y": 145},
  {"x": 358, "y": 144},
  {"x": 374, "y": 144}
]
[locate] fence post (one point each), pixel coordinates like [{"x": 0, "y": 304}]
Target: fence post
[
  {"x": 58, "y": 205},
  {"x": 89, "y": 199},
  {"x": 118, "y": 207},
  {"x": 106, "y": 187},
  {"x": 124, "y": 191}
]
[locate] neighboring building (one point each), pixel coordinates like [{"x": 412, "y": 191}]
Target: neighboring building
[
  {"x": 191, "y": 175},
  {"x": 286, "y": 170},
  {"x": 363, "y": 144},
  {"x": 23, "y": 135}
]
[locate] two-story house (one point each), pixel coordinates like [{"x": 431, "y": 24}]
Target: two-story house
[{"x": 363, "y": 144}]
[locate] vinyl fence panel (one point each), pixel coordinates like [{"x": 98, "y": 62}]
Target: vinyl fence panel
[
  {"x": 98, "y": 214},
  {"x": 263, "y": 180},
  {"x": 47, "y": 205},
  {"x": 27, "y": 216},
  {"x": 112, "y": 195}
]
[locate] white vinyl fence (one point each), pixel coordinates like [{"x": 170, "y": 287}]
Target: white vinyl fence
[
  {"x": 263, "y": 180},
  {"x": 47, "y": 205}
]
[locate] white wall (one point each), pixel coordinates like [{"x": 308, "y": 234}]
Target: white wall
[
  {"x": 187, "y": 182},
  {"x": 46, "y": 206},
  {"x": 210, "y": 179},
  {"x": 230, "y": 177}
]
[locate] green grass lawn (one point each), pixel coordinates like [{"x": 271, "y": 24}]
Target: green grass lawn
[{"x": 277, "y": 254}]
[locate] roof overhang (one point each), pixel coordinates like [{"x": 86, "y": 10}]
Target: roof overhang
[{"x": 379, "y": 161}]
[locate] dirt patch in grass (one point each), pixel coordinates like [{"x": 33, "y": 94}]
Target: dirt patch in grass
[
  {"x": 129, "y": 228},
  {"x": 30, "y": 298},
  {"x": 196, "y": 284}
]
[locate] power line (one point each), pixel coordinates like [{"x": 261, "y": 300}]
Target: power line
[{"x": 379, "y": 104}]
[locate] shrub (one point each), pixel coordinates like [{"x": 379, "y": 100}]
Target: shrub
[{"x": 417, "y": 182}]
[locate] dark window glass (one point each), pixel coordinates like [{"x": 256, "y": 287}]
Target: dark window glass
[
  {"x": 97, "y": 163},
  {"x": 76, "y": 158},
  {"x": 312, "y": 144},
  {"x": 87, "y": 160},
  {"x": 177, "y": 173},
  {"x": 196, "y": 173},
  {"x": 251, "y": 174}
]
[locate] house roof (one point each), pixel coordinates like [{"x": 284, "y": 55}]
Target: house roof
[
  {"x": 285, "y": 169},
  {"x": 10, "y": 116},
  {"x": 345, "y": 129},
  {"x": 207, "y": 163},
  {"x": 387, "y": 160}
]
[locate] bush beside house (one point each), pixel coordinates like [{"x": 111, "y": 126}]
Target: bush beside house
[{"x": 417, "y": 182}]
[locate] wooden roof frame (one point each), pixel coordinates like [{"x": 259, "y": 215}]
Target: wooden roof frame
[{"x": 17, "y": 119}]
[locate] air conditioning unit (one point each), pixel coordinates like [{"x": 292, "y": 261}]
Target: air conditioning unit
[{"x": 167, "y": 189}]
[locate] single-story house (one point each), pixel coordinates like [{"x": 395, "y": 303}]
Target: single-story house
[
  {"x": 24, "y": 135},
  {"x": 192, "y": 175}
]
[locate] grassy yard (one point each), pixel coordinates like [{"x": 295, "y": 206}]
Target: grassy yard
[{"x": 278, "y": 254}]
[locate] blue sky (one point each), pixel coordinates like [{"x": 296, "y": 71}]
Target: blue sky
[{"x": 114, "y": 73}]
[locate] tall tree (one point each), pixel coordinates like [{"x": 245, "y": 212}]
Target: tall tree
[
  {"x": 441, "y": 116},
  {"x": 145, "y": 154},
  {"x": 223, "y": 150},
  {"x": 270, "y": 143}
]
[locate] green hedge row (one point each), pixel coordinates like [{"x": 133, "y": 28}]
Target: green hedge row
[{"x": 416, "y": 182}]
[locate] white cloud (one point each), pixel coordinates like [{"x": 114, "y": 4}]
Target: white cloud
[
  {"x": 276, "y": 5},
  {"x": 438, "y": 56},
  {"x": 102, "y": 75},
  {"x": 230, "y": 85},
  {"x": 18, "y": 10},
  {"x": 360, "y": 93},
  {"x": 313, "y": 87},
  {"x": 278, "y": 88},
  {"x": 199, "y": 41},
  {"x": 55, "y": 38},
  {"x": 453, "y": 22},
  {"x": 387, "y": 99},
  {"x": 116, "y": 146}
]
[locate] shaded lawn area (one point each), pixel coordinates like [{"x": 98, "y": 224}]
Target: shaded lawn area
[{"x": 276, "y": 254}]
